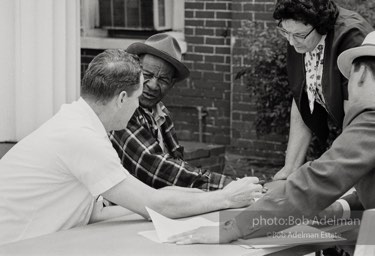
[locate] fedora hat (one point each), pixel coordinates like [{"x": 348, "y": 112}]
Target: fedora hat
[
  {"x": 165, "y": 47},
  {"x": 345, "y": 60}
]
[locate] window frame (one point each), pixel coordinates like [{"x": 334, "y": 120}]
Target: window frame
[{"x": 93, "y": 37}]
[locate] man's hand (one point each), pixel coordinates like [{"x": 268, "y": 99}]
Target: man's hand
[
  {"x": 335, "y": 210},
  {"x": 224, "y": 233},
  {"x": 283, "y": 174},
  {"x": 242, "y": 192}
]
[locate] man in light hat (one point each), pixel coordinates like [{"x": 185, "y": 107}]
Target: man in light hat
[
  {"x": 317, "y": 184},
  {"x": 49, "y": 181},
  {"x": 148, "y": 147}
]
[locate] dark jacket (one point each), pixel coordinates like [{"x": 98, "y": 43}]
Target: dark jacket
[{"x": 349, "y": 31}]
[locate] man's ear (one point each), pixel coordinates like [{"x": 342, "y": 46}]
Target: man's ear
[
  {"x": 121, "y": 99},
  {"x": 364, "y": 70}
]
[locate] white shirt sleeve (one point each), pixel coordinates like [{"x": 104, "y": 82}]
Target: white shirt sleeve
[
  {"x": 346, "y": 208},
  {"x": 94, "y": 162}
]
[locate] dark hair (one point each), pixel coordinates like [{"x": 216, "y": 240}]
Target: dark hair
[
  {"x": 109, "y": 73},
  {"x": 321, "y": 14},
  {"x": 368, "y": 61}
]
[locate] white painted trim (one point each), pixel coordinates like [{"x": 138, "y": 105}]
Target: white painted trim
[{"x": 122, "y": 43}]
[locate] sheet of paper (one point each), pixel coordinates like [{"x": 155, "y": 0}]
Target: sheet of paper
[
  {"x": 166, "y": 227},
  {"x": 300, "y": 234},
  {"x": 150, "y": 235}
]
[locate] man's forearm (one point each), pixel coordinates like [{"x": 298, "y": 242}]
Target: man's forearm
[{"x": 182, "y": 203}]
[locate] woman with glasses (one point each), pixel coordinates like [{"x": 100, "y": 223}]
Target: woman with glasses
[{"x": 317, "y": 32}]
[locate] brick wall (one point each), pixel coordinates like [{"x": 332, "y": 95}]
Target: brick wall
[
  {"x": 215, "y": 53},
  {"x": 207, "y": 33},
  {"x": 244, "y": 139}
]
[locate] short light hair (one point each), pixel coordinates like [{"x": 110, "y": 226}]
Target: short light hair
[{"x": 109, "y": 73}]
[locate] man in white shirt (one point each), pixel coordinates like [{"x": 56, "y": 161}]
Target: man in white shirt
[{"x": 49, "y": 181}]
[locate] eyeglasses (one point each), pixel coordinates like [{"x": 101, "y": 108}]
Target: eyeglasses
[{"x": 287, "y": 35}]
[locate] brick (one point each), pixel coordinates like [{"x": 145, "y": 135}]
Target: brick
[
  {"x": 189, "y": 31},
  {"x": 237, "y": 23},
  {"x": 237, "y": 7},
  {"x": 227, "y": 59},
  {"x": 242, "y": 15},
  {"x": 216, "y": 6},
  {"x": 194, "y": 23},
  {"x": 242, "y": 107},
  {"x": 222, "y": 68},
  {"x": 248, "y": 116},
  {"x": 194, "y": 57},
  {"x": 216, "y": 23},
  {"x": 204, "y": 31},
  {"x": 215, "y": 40},
  {"x": 213, "y": 76},
  {"x": 194, "y": 39},
  {"x": 189, "y": 14},
  {"x": 254, "y": 7},
  {"x": 236, "y": 116},
  {"x": 194, "y": 5},
  {"x": 263, "y": 16},
  {"x": 203, "y": 66},
  {"x": 222, "y": 50},
  {"x": 205, "y": 14},
  {"x": 204, "y": 49},
  {"x": 196, "y": 74},
  {"x": 223, "y": 15},
  {"x": 214, "y": 58},
  {"x": 227, "y": 78}
]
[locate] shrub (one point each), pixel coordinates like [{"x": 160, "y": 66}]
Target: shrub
[{"x": 266, "y": 77}]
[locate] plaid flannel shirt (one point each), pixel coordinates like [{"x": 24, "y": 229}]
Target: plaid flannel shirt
[{"x": 141, "y": 154}]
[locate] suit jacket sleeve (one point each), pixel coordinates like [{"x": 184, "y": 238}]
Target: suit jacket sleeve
[
  {"x": 353, "y": 201},
  {"x": 319, "y": 183}
]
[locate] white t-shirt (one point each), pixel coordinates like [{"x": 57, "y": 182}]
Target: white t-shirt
[{"x": 50, "y": 179}]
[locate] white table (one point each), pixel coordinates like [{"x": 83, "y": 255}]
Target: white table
[{"x": 114, "y": 237}]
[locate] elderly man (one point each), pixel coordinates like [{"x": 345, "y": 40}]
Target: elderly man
[
  {"x": 317, "y": 184},
  {"x": 148, "y": 147},
  {"x": 49, "y": 180}
]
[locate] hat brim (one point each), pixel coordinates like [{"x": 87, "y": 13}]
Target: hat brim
[
  {"x": 141, "y": 48},
  {"x": 345, "y": 59}
]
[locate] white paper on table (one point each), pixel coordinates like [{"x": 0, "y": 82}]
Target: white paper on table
[
  {"x": 150, "y": 235},
  {"x": 166, "y": 227}
]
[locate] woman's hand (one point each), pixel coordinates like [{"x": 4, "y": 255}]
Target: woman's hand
[{"x": 283, "y": 174}]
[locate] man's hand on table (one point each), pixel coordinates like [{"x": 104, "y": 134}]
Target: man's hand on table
[
  {"x": 335, "y": 210},
  {"x": 226, "y": 232}
]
